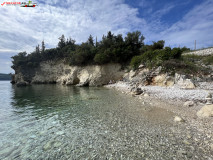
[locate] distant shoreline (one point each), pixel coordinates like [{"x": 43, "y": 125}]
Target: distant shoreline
[{"x": 5, "y": 77}]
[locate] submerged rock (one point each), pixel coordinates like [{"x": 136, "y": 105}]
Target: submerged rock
[{"x": 47, "y": 146}]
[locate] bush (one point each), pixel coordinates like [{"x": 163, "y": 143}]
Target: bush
[
  {"x": 176, "y": 65},
  {"x": 176, "y": 53},
  {"x": 158, "y": 45},
  {"x": 208, "y": 60},
  {"x": 101, "y": 58},
  {"x": 136, "y": 61}
]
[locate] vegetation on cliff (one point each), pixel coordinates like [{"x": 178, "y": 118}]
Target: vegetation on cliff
[{"x": 111, "y": 49}]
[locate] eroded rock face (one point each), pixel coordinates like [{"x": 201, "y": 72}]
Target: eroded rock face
[
  {"x": 206, "y": 111},
  {"x": 56, "y": 72}
]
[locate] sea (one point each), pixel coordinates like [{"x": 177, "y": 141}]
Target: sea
[{"x": 54, "y": 122}]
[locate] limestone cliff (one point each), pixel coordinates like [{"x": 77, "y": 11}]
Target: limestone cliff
[{"x": 58, "y": 72}]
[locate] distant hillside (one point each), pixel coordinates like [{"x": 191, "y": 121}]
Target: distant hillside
[{"x": 5, "y": 76}]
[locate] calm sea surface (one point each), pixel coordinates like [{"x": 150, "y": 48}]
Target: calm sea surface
[{"x": 61, "y": 122}]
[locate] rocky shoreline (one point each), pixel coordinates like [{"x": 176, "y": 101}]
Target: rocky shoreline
[{"x": 183, "y": 103}]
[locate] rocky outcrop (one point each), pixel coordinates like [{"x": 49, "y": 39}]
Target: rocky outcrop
[
  {"x": 58, "y": 72},
  {"x": 144, "y": 76},
  {"x": 163, "y": 80}
]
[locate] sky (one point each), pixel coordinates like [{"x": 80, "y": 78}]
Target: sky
[{"x": 178, "y": 22}]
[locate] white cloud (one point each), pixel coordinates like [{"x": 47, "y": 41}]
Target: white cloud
[
  {"x": 21, "y": 29},
  {"x": 195, "y": 25},
  {"x": 28, "y": 26}
]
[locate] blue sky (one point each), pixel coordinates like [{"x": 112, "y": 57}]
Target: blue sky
[{"x": 177, "y": 22}]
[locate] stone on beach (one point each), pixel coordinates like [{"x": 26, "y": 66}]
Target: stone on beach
[
  {"x": 178, "y": 119},
  {"x": 189, "y": 103},
  {"x": 138, "y": 91},
  {"x": 146, "y": 95},
  {"x": 206, "y": 111},
  {"x": 209, "y": 99}
]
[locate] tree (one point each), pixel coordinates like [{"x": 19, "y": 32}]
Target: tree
[
  {"x": 19, "y": 60},
  {"x": 37, "y": 51},
  {"x": 70, "y": 41},
  {"x": 176, "y": 53},
  {"x": 133, "y": 43},
  {"x": 42, "y": 47},
  {"x": 62, "y": 42},
  {"x": 158, "y": 45},
  {"x": 110, "y": 35},
  {"x": 135, "y": 38},
  {"x": 83, "y": 54},
  {"x": 90, "y": 40}
]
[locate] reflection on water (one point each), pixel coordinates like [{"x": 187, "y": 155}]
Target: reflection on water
[{"x": 60, "y": 122}]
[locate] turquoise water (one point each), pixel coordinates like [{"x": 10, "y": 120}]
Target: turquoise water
[{"x": 62, "y": 122}]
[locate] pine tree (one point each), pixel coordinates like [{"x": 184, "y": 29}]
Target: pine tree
[
  {"x": 62, "y": 42},
  {"x": 42, "y": 47},
  {"x": 37, "y": 49},
  {"x": 90, "y": 40}
]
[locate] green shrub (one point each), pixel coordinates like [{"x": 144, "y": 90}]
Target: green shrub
[
  {"x": 208, "y": 60},
  {"x": 149, "y": 56},
  {"x": 185, "y": 49},
  {"x": 158, "y": 45},
  {"x": 176, "y": 65},
  {"x": 176, "y": 53},
  {"x": 101, "y": 58},
  {"x": 136, "y": 61}
]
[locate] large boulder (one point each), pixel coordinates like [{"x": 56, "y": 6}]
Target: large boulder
[
  {"x": 22, "y": 84},
  {"x": 183, "y": 82},
  {"x": 206, "y": 111}
]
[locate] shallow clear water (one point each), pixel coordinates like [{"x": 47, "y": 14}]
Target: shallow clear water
[{"x": 61, "y": 122}]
